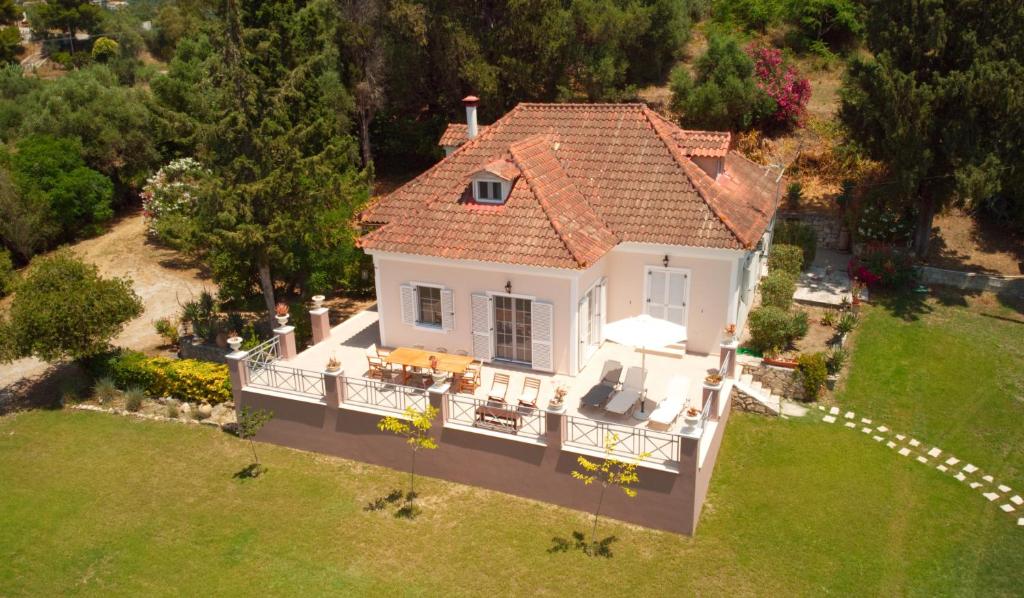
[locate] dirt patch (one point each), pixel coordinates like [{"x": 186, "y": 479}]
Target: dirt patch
[
  {"x": 161, "y": 277},
  {"x": 962, "y": 242}
]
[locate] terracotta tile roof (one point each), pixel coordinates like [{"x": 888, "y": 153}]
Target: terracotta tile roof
[
  {"x": 502, "y": 168},
  {"x": 455, "y": 134},
  {"x": 709, "y": 144},
  {"x": 603, "y": 173}
]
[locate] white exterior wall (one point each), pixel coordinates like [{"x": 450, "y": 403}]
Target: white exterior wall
[
  {"x": 713, "y": 287},
  {"x": 465, "y": 278}
]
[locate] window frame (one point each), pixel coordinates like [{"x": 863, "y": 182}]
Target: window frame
[
  {"x": 420, "y": 323},
  {"x": 490, "y": 185}
]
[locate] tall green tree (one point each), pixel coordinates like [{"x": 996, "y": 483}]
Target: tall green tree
[
  {"x": 940, "y": 103},
  {"x": 278, "y": 143},
  {"x": 67, "y": 16},
  {"x": 10, "y": 37}
]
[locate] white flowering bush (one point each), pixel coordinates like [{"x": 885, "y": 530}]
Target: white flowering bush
[
  {"x": 169, "y": 199},
  {"x": 881, "y": 223}
]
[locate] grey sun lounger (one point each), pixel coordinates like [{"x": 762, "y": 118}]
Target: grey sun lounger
[{"x": 610, "y": 376}]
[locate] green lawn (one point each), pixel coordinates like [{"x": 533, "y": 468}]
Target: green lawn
[
  {"x": 98, "y": 504},
  {"x": 949, "y": 371}
]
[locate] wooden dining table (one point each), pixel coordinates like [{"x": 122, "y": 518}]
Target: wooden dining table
[{"x": 420, "y": 358}]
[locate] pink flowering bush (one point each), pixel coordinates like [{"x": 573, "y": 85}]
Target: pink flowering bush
[{"x": 782, "y": 83}]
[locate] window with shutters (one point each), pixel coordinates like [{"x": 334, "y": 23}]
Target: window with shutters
[{"x": 429, "y": 308}]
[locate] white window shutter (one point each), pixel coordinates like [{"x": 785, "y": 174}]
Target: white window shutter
[
  {"x": 447, "y": 310},
  {"x": 483, "y": 326},
  {"x": 408, "y": 293},
  {"x": 542, "y": 332}
]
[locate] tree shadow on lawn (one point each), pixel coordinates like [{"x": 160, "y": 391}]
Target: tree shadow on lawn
[
  {"x": 602, "y": 547},
  {"x": 409, "y": 510},
  {"x": 910, "y": 305},
  {"x": 250, "y": 472}
]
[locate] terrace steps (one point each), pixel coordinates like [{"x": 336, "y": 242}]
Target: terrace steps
[{"x": 766, "y": 397}]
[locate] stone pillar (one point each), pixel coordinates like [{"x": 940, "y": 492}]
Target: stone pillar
[
  {"x": 711, "y": 393},
  {"x": 318, "y": 319},
  {"x": 286, "y": 342},
  {"x": 334, "y": 388},
  {"x": 554, "y": 431},
  {"x": 728, "y": 350},
  {"x": 236, "y": 373}
]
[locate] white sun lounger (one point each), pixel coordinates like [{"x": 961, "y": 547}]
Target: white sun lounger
[
  {"x": 673, "y": 404},
  {"x": 632, "y": 389}
]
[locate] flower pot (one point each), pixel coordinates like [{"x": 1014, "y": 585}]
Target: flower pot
[
  {"x": 556, "y": 404},
  {"x": 830, "y": 382},
  {"x": 318, "y": 300},
  {"x": 691, "y": 421},
  {"x": 439, "y": 378},
  {"x": 235, "y": 342},
  {"x": 282, "y": 320}
]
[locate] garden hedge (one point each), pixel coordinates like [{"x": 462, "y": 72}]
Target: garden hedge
[
  {"x": 187, "y": 380},
  {"x": 787, "y": 258},
  {"x": 777, "y": 289},
  {"x": 794, "y": 232}
]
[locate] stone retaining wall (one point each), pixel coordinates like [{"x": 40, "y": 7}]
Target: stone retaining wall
[
  {"x": 741, "y": 401},
  {"x": 781, "y": 381},
  {"x": 202, "y": 352},
  {"x": 974, "y": 281},
  {"x": 826, "y": 225}
]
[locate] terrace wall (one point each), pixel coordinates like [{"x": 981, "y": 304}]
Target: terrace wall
[{"x": 666, "y": 500}]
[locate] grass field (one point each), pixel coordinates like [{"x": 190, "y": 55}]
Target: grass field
[
  {"x": 98, "y": 504},
  {"x": 948, "y": 370}
]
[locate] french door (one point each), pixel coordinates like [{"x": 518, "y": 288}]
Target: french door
[
  {"x": 668, "y": 290},
  {"x": 590, "y": 316},
  {"x": 513, "y": 330}
]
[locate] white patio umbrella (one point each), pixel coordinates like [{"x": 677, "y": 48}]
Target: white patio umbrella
[{"x": 644, "y": 332}]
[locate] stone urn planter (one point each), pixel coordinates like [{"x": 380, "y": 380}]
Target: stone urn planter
[
  {"x": 557, "y": 402},
  {"x": 318, "y": 301},
  {"x": 281, "y": 314},
  {"x": 333, "y": 365},
  {"x": 830, "y": 381},
  {"x": 692, "y": 417},
  {"x": 235, "y": 342}
]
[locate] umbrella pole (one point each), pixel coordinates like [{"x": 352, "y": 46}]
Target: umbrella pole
[{"x": 643, "y": 366}]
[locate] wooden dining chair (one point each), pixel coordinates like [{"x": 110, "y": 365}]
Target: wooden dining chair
[
  {"x": 469, "y": 381},
  {"x": 376, "y": 369},
  {"x": 499, "y": 388}
]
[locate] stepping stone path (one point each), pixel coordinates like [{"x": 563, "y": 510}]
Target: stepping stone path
[{"x": 915, "y": 449}]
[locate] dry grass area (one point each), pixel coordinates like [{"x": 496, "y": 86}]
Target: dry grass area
[{"x": 962, "y": 242}]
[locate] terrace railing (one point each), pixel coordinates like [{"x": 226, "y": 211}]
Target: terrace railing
[
  {"x": 385, "y": 396},
  {"x": 632, "y": 442},
  {"x": 274, "y": 376},
  {"x": 509, "y": 419}
]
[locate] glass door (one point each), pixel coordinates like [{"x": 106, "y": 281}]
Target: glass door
[
  {"x": 513, "y": 336},
  {"x": 590, "y": 323}
]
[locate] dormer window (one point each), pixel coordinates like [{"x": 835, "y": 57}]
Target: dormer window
[
  {"x": 489, "y": 192},
  {"x": 494, "y": 181}
]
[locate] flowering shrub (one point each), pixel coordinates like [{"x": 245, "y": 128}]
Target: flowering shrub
[
  {"x": 879, "y": 222},
  {"x": 782, "y": 83},
  {"x": 187, "y": 380},
  {"x": 171, "y": 192},
  {"x": 881, "y": 266}
]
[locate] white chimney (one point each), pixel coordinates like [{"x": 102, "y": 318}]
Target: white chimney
[{"x": 471, "y": 102}]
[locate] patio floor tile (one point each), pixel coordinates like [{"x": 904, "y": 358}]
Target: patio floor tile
[
  {"x": 1017, "y": 500},
  {"x": 1004, "y": 488},
  {"x": 952, "y": 461},
  {"x": 922, "y": 460},
  {"x": 833, "y": 411},
  {"x": 970, "y": 468},
  {"x": 960, "y": 477},
  {"x": 915, "y": 442},
  {"x": 905, "y": 452},
  {"x": 1007, "y": 508},
  {"x": 829, "y": 419},
  {"x": 942, "y": 468},
  {"x": 991, "y": 496},
  {"x": 935, "y": 452},
  {"x": 890, "y": 444}
]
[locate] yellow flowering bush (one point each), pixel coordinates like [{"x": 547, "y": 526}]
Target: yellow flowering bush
[{"x": 188, "y": 380}]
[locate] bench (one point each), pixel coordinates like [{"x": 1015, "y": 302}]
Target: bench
[{"x": 498, "y": 419}]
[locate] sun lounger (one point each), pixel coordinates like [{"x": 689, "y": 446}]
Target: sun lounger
[
  {"x": 632, "y": 389},
  {"x": 673, "y": 404},
  {"x": 598, "y": 395}
]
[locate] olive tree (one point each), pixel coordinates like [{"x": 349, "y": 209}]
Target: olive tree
[{"x": 64, "y": 310}]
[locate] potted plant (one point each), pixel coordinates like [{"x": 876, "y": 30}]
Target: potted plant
[
  {"x": 333, "y": 365},
  {"x": 318, "y": 300},
  {"x": 730, "y": 333},
  {"x": 713, "y": 379},
  {"x": 437, "y": 375},
  {"x": 692, "y": 417},
  {"x": 235, "y": 341},
  {"x": 557, "y": 402},
  {"x": 281, "y": 313}
]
